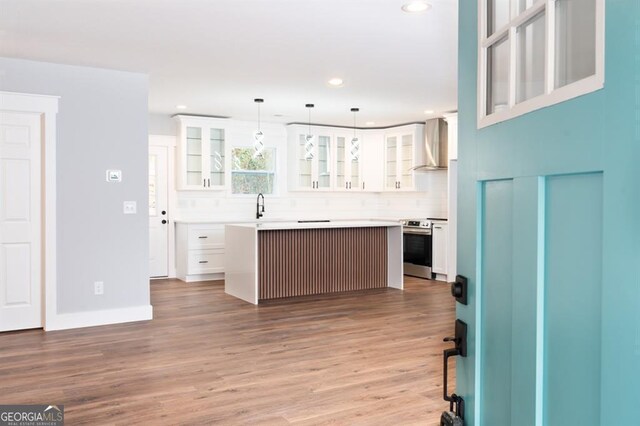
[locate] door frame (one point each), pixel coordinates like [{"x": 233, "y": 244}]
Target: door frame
[
  {"x": 47, "y": 107},
  {"x": 169, "y": 142}
]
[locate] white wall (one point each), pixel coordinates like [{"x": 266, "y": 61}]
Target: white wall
[
  {"x": 301, "y": 205},
  {"x": 102, "y": 124}
]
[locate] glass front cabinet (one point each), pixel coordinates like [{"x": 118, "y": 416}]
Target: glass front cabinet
[
  {"x": 312, "y": 162},
  {"x": 349, "y": 162},
  {"x": 375, "y": 160},
  {"x": 401, "y": 155},
  {"x": 329, "y": 161},
  {"x": 202, "y": 152}
]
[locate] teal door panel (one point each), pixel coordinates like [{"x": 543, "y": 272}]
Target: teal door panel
[
  {"x": 496, "y": 299},
  {"x": 508, "y": 314},
  {"x": 573, "y": 294}
]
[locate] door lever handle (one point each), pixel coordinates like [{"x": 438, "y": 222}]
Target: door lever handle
[{"x": 460, "y": 349}]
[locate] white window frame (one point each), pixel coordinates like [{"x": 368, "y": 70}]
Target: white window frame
[
  {"x": 551, "y": 95},
  {"x": 273, "y": 172}
]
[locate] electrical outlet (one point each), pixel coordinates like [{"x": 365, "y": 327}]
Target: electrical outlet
[{"x": 98, "y": 288}]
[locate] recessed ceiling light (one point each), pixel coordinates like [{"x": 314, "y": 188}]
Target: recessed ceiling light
[
  {"x": 370, "y": 123},
  {"x": 336, "y": 82},
  {"x": 181, "y": 107},
  {"x": 429, "y": 111},
  {"x": 416, "y": 7}
]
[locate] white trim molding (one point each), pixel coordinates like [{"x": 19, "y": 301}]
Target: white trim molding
[
  {"x": 551, "y": 95},
  {"x": 47, "y": 107},
  {"x": 96, "y": 318}
]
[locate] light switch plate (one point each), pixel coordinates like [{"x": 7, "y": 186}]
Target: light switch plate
[{"x": 130, "y": 207}]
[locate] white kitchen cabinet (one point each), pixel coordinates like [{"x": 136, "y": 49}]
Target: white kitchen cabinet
[
  {"x": 348, "y": 163},
  {"x": 202, "y": 153},
  {"x": 440, "y": 238},
  {"x": 310, "y": 163},
  {"x": 199, "y": 251},
  {"x": 384, "y": 163},
  {"x": 372, "y": 159},
  {"x": 401, "y": 154}
]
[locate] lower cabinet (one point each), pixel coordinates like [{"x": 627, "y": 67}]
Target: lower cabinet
[
  {"x": 440, "y": 249},
  {"x": 199, "y": 251}
]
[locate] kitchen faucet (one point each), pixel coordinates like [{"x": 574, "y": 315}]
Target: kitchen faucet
[{"x": 259, "y": 212}]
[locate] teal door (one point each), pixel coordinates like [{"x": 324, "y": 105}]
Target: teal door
[{"x": 549, "y": 238}]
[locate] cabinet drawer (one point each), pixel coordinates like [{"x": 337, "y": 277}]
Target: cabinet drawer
[
  {"x": 205, "y": 261},
  {"x": 206, "y": 237}
]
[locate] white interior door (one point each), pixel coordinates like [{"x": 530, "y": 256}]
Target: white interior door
[
  {"x": 158, "y": 213},
  {"x": 20, "y": 222}
]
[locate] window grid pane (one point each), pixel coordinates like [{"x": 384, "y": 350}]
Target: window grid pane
[
  {"x": 498, "y": 76},
  {"x": 531, "y": 59},
  {"x": 575, "y": 47},
  {"x": 497, "y": 15}
]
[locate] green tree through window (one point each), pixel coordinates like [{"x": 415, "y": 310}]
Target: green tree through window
[{"x": 252, "y": 174}]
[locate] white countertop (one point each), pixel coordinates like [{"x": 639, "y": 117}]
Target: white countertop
[
  {"x": 268, "y": 220},
  {"x": 264, "y": 226}
]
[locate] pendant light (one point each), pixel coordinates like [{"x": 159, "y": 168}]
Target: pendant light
[
  {"x": 309, "y": 138},
  {"x": 355, "y": 142},
  {"x": 258, "y": 136}
]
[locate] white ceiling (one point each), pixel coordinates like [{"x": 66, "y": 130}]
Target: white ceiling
[{"x": 216, "y": 56}]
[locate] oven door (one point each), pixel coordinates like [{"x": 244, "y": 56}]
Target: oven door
[{"x": 417, "y": 252}]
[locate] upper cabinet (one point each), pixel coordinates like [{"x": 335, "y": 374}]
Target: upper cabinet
[
  {"x": 402, "y": 152},
  {"x": 202, "y": 154},
  {"x": 348, "y": 161},
  {"x": 372, "y": 161},
  {"x": 312, "y": 161}
]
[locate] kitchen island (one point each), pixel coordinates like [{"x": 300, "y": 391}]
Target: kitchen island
[{"x": 271, "y": 260}]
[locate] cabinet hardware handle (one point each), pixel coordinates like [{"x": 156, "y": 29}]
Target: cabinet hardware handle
[
  {"x": 437, "y": 227},
  {"x": 204, "y": 183},
  {"x": 164, "y": 222},
  {"x": 362, "y": 185},
  {"x": 346, "y": 185},
  {"x": 164, "y": 212},
  {"x": 209, "y": 183},
  {"x": 349, "y": 185},
  {"x": 204, "y": 261},
  {"x": 202, "y": 237}
]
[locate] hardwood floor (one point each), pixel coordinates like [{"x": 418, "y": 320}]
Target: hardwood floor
[{"x": 365, "y": 358}]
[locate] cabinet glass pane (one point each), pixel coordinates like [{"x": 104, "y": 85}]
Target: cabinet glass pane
[
  {"x": 407, "y": 161},
  {"x": 497, "y": 15},
  {"x": 340, "y": 162},
  {"x": 355, "y": 174},
  {"x": 304, "y": 165},
  {"x": 194, "y": 156},
  {"x": 498, "y": 76},
  {"x": 531, "y": 59},
  {"x": 324, "y": 171},
  {"x": 575, "y": 40},
  {"x": 391, "y": 162},
  {"x": 217, "y": 157},
  {"x": 355, "y": 164}
]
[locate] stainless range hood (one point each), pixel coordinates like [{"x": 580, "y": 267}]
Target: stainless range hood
[{"x": 434, "y": 147}]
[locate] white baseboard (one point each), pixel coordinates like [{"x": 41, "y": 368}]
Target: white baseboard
[{"x": 95, "y": 318}]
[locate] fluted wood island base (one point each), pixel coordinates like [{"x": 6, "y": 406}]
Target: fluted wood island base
[{"x": 287, "y": 259}]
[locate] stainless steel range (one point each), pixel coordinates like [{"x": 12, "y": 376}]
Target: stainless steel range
[{"x": 417, "y": 247}]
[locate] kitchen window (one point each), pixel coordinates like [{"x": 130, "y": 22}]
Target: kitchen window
[
  {"x": 533, "y": 54},
  {"x": 251, "y": 174}
]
